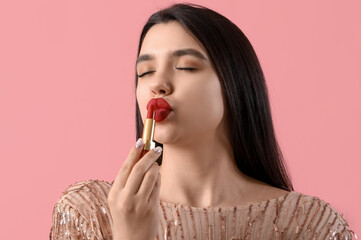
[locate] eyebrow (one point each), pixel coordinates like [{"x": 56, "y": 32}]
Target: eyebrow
[{"x": 176, "y": 53}]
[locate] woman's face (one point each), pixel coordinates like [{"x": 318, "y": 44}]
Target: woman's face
[{"x": 172, "y": 65}]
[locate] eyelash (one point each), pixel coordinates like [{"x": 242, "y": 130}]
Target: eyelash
[{"x": 185, "y": 68}]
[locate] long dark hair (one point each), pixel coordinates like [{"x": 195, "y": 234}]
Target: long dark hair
[{"x": 253, "y": 139}]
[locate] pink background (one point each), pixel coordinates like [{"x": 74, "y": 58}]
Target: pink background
[{"x": 67, "y": 96}]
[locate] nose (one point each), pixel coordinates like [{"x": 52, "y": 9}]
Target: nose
[{"x": 161, "y": 86}]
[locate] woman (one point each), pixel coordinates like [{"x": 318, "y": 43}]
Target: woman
[{"x": 221, "y": 174}]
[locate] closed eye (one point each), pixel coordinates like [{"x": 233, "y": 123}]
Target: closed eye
[
  {"x": 143, "y": 74},
  {"x": 186, "y": 68},
  {"x": 179, "y": 68}
]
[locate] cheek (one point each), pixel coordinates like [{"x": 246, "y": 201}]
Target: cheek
[
  {"x": 216, "y": 99},
  {"x": 205, "y": 99},
  {"x": 141, "y": 98}
]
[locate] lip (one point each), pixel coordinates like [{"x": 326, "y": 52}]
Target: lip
[
  {"x": 158, "y": 103},
  {"x": 161, "y": 109}
]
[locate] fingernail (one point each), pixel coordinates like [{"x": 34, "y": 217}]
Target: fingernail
[
  {"x": 139, "y": 143},
  {"x": 158, "y": 149}
]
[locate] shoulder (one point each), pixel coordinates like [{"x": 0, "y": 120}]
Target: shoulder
[
  {"x": 87, "y": 187},
  {"x": 85, "y": 195},
  {"x": 82, "y": 209},
  {"x": 314, "y": 217}
]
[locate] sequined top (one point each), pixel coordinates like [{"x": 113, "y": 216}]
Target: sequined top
[{"x": 82, "y": 212}]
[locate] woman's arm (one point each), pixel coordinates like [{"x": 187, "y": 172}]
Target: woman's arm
[{"x": 68, "y": 223}]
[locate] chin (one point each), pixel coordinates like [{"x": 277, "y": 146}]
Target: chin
[{"x": 165, "y": 137}]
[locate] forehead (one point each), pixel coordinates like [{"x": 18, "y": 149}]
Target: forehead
[{"x": 166, "y": 37}]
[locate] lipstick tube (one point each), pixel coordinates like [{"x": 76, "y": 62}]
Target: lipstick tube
[{"x": 148, "y": 134}]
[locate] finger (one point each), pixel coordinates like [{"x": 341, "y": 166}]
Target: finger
[
  {"x": 154, "y": 196},
  {"x": 150, "y": 178},
  {"x": 128, "y": 164},
  {"x": 140, "y": 168}
]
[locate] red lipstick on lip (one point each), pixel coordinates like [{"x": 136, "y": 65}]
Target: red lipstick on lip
[{"x": 162, "y": 108}]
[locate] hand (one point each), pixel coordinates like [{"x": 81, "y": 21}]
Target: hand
[{"x": 133, "y": 198}]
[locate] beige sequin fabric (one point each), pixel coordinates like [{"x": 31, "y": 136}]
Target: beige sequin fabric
[{"x": 82, "y": 212}]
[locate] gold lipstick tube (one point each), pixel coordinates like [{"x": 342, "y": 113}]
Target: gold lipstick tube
[{"x": 148, "y": 135}]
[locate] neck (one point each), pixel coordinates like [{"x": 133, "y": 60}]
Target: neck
[{"x": 204, "y": 174}]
